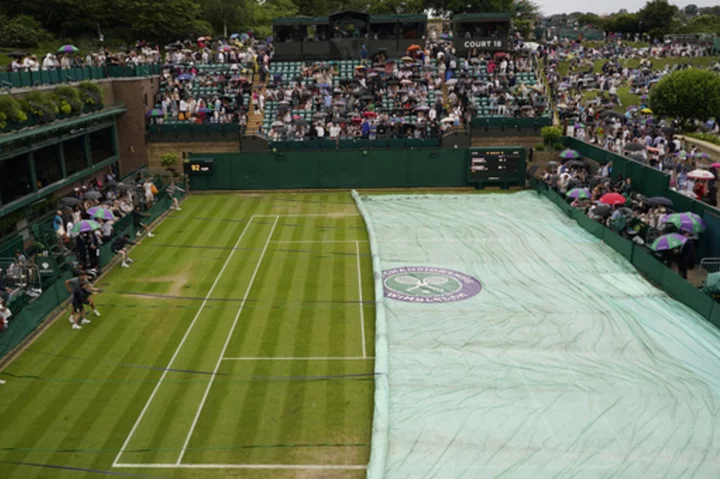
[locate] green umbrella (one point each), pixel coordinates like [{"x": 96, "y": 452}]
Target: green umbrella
[
  {"x": 690, "y": 222},
  {"x": 668, "y": 242}
]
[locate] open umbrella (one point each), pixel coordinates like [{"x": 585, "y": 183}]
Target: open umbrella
[
  {"x": 85, "y": 226},
  {"x": 93, "y": 195},
  {"x": 702, "y": 155},
  {"x": 569, "y": 154},
  {"x": 451, "y": 82},
  {"x": 70, "y": 201},
  {"x": 578, "y": 193},
  {"x": 602, "y": 210},
  {"x": 125, "y": 187},
  {"x": 185, "y": 77},
  {"x": 155, "y": 113},
  {"x": 647, "y": 111},
  {"x": 634, "y": 147},
  {"x": 668, "y": 242},
  {"x": 68, "y": 49},
  {"x": 612, "y": 199},
  {"x": 100, "y": 213},
  {"x": 681, "y": 154},
  {"x": 689, "y": 222},
  {"x": 715, "y": 165},
  {"x": 701, "y": 175},
  {"x": 638, "y": 158},
  {"x": 16, "y": 54},
  {"x": 659, "y": 201}
]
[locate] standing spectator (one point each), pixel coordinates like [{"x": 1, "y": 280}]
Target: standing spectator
[{"x": 149, "y": 196}]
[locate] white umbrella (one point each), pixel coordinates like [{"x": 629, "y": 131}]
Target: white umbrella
[
  {"x": 701, "y": 175},
  {"x": 451, "y": 81}
]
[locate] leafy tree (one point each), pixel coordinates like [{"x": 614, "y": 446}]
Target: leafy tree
[
  {"x": 687, "y": 95},
  {"x": 526, "y": 10},
  {"x": 263, "y": 14},
  {"x": 395, "y": 7},
  {"x": 445, "y": 7},
  {"x": 656, "y": 17},
  {"x": 166, "y": 20},
  {"x": 624, "y": 23},
  {"x": 703, "y": 24},
  {"x": 591, "y": 19},
  {"x": 227, "y": 16},
  {"x": 22, "y": 31},
  {"x": 691, "y": 10},
  {"x": 710, "y": 10}
]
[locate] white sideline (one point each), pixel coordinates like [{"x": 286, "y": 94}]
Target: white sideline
[
  {"x": 246, "y": 466},
  {"x": 306, "y": 358},
  {"x": 360, "y": 292},
  {"x": 182, "y": 342},
  {"x": 227, "y": 341},
  {"x": 317, "y": 241}
]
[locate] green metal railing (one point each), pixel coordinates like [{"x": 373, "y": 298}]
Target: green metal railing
[{"x": 54, "y": 77}]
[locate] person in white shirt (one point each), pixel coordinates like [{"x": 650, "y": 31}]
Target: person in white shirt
[
  {"x": 320, "y": 131},
  {"x": 334, "y": 131},
  {"x": 183, "y": 111},
  {"x": 149, "y": 197}
]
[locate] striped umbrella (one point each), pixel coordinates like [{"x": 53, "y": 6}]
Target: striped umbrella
[
  {"x": 702, "y": 155},
  {"x": 689, "y": 222},
  {"x": 100, "y": 213},
  {"x": 681, "y": 154},
  {"x": 668, "y": 242},
  {"x": 68, "y": 49},
  {"x": 612, "y": 199},
  {"x": 579, "y": 193},
  {"x": 156, "y": 112},
  {"x": 569, "y": 154},
  {"x": 85, "y": 226}
]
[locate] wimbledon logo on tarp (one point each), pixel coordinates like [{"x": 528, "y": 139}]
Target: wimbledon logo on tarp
[{"x": 423, "y": 284}]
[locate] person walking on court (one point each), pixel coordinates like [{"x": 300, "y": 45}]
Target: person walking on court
[
  {"x": 80, "y": 289},
  {"x": 118, "y": 247},
  {"x": 138, "y": 222},
  {"x": 171, "y": 193}
]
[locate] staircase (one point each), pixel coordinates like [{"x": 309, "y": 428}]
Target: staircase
[{"x": 254, "y": 121}]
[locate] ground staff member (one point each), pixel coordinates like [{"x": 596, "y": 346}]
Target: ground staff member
[
  {"x": 118, "y": 247},
  {"x": 80, "y": 289}
]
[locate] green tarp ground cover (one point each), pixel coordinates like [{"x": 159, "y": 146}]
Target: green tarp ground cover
[{"x": 566, "y": 363}]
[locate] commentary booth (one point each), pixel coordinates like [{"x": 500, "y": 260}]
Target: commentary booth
[
  {"x": 342, "y": 35},
  {"x": 481, "y": 32}
]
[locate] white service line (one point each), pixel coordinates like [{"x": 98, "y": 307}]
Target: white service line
[
  {"x": 315, "y": 215},
  {"x": 227, "y": 341},
  {"x": 182, "y": 342},
  {"x": 307, "y": 358},
  {"x": 244, "y": 466},
  {"x": 360, "y": 292}
]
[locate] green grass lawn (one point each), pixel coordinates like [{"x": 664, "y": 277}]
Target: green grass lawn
[
  {"x": 624, "y": 94},
  {"x": 263, "y": 290},
  {"x": 658, "y": 63}
]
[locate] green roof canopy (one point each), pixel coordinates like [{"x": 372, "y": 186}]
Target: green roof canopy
[{"x": 482, "y": 17}]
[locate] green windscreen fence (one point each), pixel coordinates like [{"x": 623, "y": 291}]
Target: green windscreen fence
[
  {"x": 32, "y": 315},
  {"x": 518, "y": 345}
]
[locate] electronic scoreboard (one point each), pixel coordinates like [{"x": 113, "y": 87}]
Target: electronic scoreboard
[
  {"x": 199, "y": 166},
  {"x": 504, "y": 165}
]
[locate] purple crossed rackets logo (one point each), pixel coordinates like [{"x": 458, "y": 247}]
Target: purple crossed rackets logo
[{"x": 425, "y": 284}]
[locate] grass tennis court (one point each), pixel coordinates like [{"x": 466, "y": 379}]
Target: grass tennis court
[{"x": 239, "y": 344}]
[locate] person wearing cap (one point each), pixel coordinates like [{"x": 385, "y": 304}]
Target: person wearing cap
[{"x": 80, "y": 290}]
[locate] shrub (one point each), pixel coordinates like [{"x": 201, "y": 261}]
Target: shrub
[
  {"x": 11, "y": 109},
  {"x": 714, "y": 139},
  {"x": 551, "y": 134},
  {"x": 3, "y": 121},
  {"x": 68, "y": 99},
  {"x": 90, "y": 94},
  {"x": 558, "y": 146},
  {"x": 42, "y": 105},
  {"x": 540, "y": 147},
  {"x": 168, "y": 160},
  {"x": 22, "y": 31}
]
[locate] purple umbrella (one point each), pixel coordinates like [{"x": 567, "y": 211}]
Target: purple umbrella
[
  {"x": 569, "y": 154},
  {"x": 68, "y": 49},
  {"x": 85, "y": 226},
  {"x": 101, "y": 213},
  {"x": 579, "y": 193},
  {"x": 689, "y": 222},
  {"x": 668, "y": 242}
]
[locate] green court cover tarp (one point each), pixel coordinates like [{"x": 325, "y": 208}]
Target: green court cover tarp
[{"x": 515, "y": 344}]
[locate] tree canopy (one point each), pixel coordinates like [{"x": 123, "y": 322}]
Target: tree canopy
[{"x": 687, "y": 94}]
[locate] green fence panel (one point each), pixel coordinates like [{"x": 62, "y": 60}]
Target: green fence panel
[
  {"x": 341, "y": 171},
  {"x": 714, "y": 316},
  {"x": 383, "y": 172},
  {"x": 647, "y": 264},
  {"x": 619, "y": 244},
  {"x": 656, "y": 183},
  {"x": 590, "y": 225},
  {"x": 686, "y": 293},
  {"x": 10, "y": 245},
  {"x": 681, "y": 203}
]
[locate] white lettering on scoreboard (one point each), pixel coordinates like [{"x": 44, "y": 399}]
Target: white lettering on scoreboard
[{"x": 484, "y": 44}]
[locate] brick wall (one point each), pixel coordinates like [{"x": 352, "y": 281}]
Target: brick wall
[
  {"x": 138, "y": 95},
  {"x": 526, "y": 141},
  {"x": 156, "y": 150}
]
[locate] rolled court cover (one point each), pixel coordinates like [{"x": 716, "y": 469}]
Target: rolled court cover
[{"x": 511, "y": 343}]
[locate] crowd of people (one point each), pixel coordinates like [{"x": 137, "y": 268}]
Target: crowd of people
[{"x": 620, "y": 208}]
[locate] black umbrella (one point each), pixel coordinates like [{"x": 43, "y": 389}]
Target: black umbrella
[
  {"x": 638, "y": 157},
  {"x": 93, "y": 195},
  {"x": 16, "y": 54},
  {"x": 70, "y": 201},
  {"x": 634, "y": 147},
  {"x": 572, "y": 163},
  {"x": 125, "y": 187},
  {"x": 602, "y": 210},
  {"x": 668, "y": 130},
  {"x": 659, "y": 201}
]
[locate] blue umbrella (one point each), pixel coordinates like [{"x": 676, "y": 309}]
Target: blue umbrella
[
  {"x": 244, "y": 37},
  {"x": 234, "y": 35},
  {"x": 205, "y": 110},
  {"x": 185, "y": 76}
]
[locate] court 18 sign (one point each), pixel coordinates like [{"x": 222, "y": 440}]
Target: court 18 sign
[{"x": 424, "y": 284}]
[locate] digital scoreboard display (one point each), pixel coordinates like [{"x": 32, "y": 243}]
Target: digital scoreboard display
[
  {"x": 199, "y": 166},
  {"x": 489, "y": 165}
]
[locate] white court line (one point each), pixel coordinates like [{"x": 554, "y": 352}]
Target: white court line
[
  {"x": 307, "y": 358},
  {"x": 227, "y": 341},
  {"x": 182, "y": 342},
  {"x": 316, "y": 215},
  {"x": 317, "y": 241},
  {"x": 245, "y": 466},
  {"x": 360, "y": 292}
]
